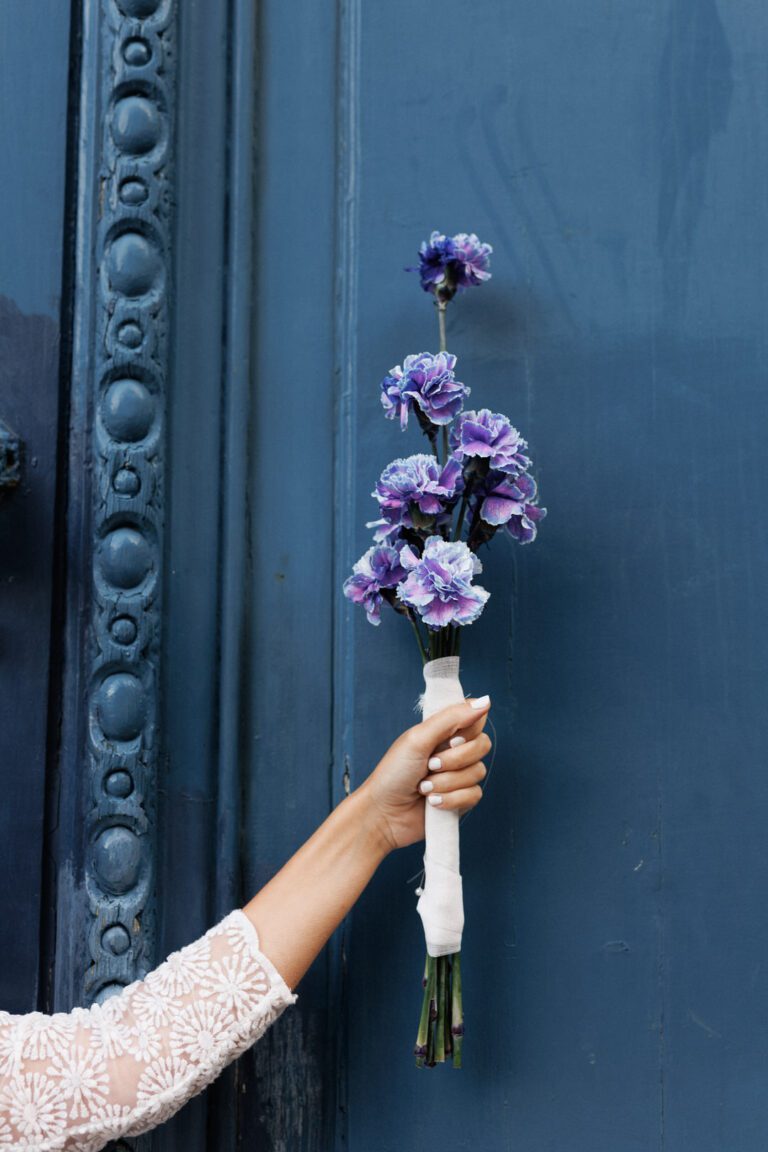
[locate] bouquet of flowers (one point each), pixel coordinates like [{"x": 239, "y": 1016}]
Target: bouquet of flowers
[{"x": 436, "y": 510}]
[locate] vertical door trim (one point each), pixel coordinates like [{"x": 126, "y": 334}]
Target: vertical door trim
[
  {"x": 344, "y": 521},
  {"x": 123, "y": 296}
]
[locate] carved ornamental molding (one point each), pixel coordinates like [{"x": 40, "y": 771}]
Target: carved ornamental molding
[{"x": 130, "y": 324}]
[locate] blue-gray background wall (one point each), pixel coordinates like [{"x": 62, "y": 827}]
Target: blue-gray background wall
[{"x": 616, "y": 158}]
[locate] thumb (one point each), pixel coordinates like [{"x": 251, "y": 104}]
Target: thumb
[{"x": 426, "y": 736}]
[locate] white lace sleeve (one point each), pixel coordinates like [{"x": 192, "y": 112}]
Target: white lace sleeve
[{"x": 78, "y": 1080}]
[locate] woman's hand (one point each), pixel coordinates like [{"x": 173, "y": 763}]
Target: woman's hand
[
  {"x": 295, "y": 913},
  {"x": 439, "y": 760}
]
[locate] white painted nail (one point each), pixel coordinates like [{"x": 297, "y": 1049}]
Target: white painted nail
[
  {"x": 455, "y": 741},
  {"x": 481, "y": 702},
  {"x": 426, "y": 786},
  {"x": 434, "y": 800},
  {"x": 434, "y": 763}
]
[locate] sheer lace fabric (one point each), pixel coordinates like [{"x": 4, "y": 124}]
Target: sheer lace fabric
[{"x": 80, "y": 1079}]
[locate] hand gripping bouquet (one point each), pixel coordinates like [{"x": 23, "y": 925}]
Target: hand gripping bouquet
[{"x": 436, "y": 510}]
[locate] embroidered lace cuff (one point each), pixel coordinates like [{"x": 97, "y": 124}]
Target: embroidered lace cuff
[{"x": 80, "y": 1079}]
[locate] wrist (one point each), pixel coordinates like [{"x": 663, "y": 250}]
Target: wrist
[{"x": 369, "y": 822}]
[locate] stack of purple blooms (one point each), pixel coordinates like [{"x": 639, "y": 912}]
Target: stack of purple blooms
[
  {"x": 419, "y": 562},
  {"x": 435, "y": 510}
]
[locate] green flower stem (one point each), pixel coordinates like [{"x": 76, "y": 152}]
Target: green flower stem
[
  {"x": 457, "y": 1010},
  {"x": 474, "y": 524},
  {"x": 463, "y": 507},
  {"x": 422, "y": 1038},
  {"x": 419, "y": 640},
  {"x": 442, "y": 306},
  {"x": 462, "y": 514},
  {"x": 440, "y": 1022},
  {"x": 441, "y": 309},
  {"x": 432, "y": 1017},
  {"x": 447, "y": 1008}
]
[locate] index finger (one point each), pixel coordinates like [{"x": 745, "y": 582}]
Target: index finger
[
  {"x": 447, "y": 723},
  {"x": 464, "y": 735}
]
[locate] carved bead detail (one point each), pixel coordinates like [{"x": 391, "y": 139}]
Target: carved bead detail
[
  {"x": 117, "y": 859},
  {"x": 121, "y": 707},
  {"x": 130, "y": 334},
  {"x": 137, "y": 52},
  {"x": 139, "y": 9},
  {"x": 133, "y": 264},
  {"x": 126, "y": 482},
  {"x": 126, "y": 558},
  {"x": 133, "y": 192},
  {"x": 119, "y": 784},
  {"x": 128, "y": 410},
  {"x": 123, "y": 630},
  {"x": 136, "y": 125},
  {"x": 116, "y": 939}
]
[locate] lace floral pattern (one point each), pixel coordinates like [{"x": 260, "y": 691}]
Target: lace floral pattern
[{"x": 75, "y": 1081}]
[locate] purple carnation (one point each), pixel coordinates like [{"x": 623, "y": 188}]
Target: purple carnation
[
  {"x": 511, "y": 500},
  {"x": 448, "y": 264},
  {"x": 490, "y": 436},
  {"x": 428, "y": 381},
  {"x": 439, "y": 583},
  {"x": 414, "y": 490},
  {"x": 379, "y": 568},
  {"x": 470, "y": 256}
]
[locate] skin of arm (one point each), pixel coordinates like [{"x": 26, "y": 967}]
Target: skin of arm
[
  {"x": 86, "y": 1078},
  {"x": 301, "y": 906}
]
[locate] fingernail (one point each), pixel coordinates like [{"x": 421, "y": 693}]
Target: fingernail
[
  {"x": 426, "y": 786},
  {"x": 434, "y": 763},
  {"x": 456, "y": 740},
  {"x": 434, "y": 800},
  {"x": 481, "y": 702}
]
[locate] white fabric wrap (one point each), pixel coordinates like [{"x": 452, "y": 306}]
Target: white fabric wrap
[{"x": 441, "y": 904}]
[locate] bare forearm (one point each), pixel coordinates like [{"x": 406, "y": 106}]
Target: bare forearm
[{"x": 297, "y": 911}]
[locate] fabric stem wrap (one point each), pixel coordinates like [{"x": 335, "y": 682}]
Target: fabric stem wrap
[{"x": 441, "y": 904}]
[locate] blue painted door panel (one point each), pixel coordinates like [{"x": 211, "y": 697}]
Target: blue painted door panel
[
  {"x": 615, "y": 976},
  {"x": 34, "y": 73},
  {"x": 615, "y": 989}
]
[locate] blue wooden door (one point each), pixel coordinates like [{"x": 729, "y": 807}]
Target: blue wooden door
[
  {"x": 202, "y": 278},
  {"x": 34, "y": 66},
  {"x": 615, "y": 979}
]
